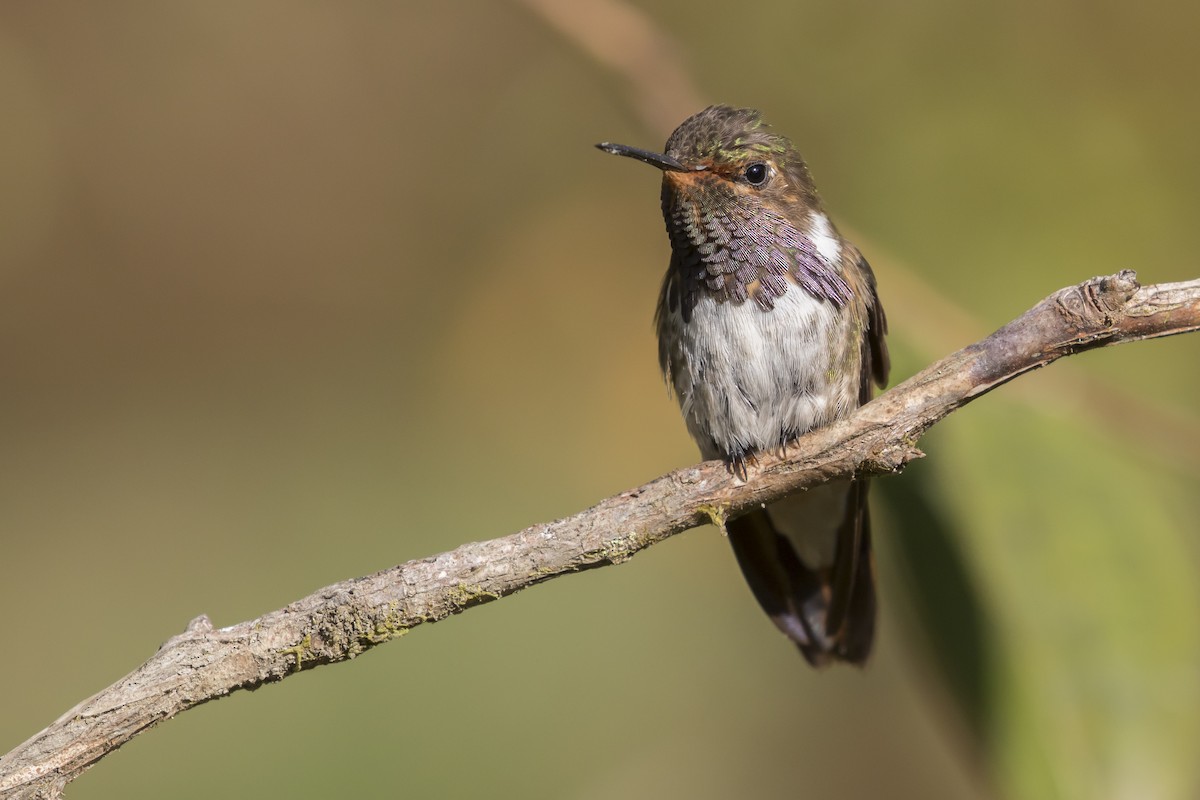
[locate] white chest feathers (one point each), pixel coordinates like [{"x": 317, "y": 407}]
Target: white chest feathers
[{"x": 749, "y": 379}]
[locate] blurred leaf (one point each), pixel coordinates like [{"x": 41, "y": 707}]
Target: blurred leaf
[
  {"x": 1092, "y": 590},
  {"x": 940, "y": 585}
]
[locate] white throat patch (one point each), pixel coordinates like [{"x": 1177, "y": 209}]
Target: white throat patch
[{"x": 824, "y": 239}]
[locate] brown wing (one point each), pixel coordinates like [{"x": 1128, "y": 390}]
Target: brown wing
[
  {"x": 827, "y": 611},
  {"x": 850, "y": 618},
  {"x": 787, "y": 590},
  {"x": 853, "y": 574},
  {"x": 876, "y": 364}
]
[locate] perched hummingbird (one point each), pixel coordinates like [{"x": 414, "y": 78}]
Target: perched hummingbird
[{"x": 769, "y": 326}]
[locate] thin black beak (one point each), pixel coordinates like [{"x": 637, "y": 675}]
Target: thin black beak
[{"x": 663, "y": 162}]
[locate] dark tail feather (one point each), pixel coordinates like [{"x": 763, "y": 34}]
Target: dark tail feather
[{"x": 827, "y": 610}]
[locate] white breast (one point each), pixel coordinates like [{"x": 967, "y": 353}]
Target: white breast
[{"x": 749, "y": 379}]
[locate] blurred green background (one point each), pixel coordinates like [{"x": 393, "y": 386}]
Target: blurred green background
[{"x": 291, "y": 292}]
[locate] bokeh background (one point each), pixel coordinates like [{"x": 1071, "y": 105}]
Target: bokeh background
[{"x": 294, "y": 291}]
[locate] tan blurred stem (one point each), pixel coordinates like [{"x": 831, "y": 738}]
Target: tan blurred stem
[
  {"x": 345, "y": 619},
  {"x": 625, "y": 40}
]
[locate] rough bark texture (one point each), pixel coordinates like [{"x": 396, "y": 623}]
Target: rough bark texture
[{"x": 342, "y": 620}]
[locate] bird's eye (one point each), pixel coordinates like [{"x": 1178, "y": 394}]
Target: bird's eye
[{"x": 756, "y": 174}]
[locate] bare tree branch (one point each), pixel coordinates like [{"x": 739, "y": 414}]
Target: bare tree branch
[{"x": 340, "y": 621}]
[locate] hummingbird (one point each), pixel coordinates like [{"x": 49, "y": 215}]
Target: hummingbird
[{"x": 769, "y": 326}]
